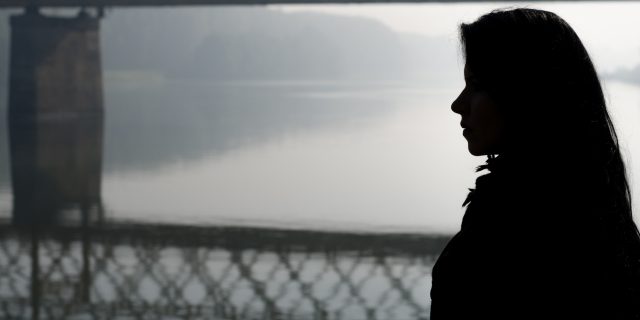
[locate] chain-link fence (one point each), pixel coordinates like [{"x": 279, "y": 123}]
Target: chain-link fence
[{"x": 178, "y": 272}]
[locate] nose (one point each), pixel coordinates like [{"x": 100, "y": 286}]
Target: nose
[{"x": 457, "y": 105}]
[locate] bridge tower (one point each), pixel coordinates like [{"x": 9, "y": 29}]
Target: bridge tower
[{"x": 55, "y": 117}]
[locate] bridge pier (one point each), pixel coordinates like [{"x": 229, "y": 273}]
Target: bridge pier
[{"x": 55, "y": 117}]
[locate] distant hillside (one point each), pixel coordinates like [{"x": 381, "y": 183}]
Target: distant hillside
[
  {"x": 262, "y": 44},
  {"x": 302, "y": 46},
  {"x": 257, "y": 43}
]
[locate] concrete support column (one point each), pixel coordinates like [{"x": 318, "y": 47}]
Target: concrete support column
[{"x": 55, "y": 117}]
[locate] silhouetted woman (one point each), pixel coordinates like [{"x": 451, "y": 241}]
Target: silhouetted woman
[{"x": 548, "y": 232}]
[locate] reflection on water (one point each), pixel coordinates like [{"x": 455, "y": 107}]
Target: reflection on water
[
  {"x": 154, "y": 125},
  {"x": 312, "y": 154},
  {"x": 108, "y": 271}
]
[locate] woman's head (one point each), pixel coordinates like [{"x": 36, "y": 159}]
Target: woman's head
[
  {"x": 533, "y": 67},
  {"x": 532, "y": 94}
]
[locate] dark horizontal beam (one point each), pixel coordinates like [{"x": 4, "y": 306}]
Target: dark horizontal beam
[
  {"x": 155, "y": 3},
  {"x": 239, "y": 238}
]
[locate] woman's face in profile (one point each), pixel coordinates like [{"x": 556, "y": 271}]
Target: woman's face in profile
[{"x": 482, "y": 121}]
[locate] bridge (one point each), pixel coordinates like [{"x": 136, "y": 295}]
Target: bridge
[{"x": 114, "y": 270}]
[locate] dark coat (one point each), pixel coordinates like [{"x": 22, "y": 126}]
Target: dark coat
[{"x": 524, "y": 251}]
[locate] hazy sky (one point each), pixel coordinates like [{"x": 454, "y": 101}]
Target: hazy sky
[{"x": 608, "y": 29}]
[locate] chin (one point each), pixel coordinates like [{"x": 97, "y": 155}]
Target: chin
[{"x": 475, "y": 151}]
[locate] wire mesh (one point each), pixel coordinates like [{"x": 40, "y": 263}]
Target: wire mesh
[{"x": 175, "y": 272}]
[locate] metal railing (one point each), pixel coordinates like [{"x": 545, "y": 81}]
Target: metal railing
[{"x": 178, "y": 272}]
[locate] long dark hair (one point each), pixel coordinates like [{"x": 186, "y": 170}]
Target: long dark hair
[{"x": 535, "y": 67}]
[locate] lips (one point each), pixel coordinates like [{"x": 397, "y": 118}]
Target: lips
[{"x": 466, "y": 131}]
